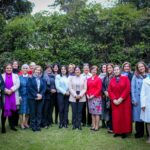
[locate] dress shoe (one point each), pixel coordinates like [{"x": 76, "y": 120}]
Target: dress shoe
[
  {"x": 60, "y": 126},
  {"x": 13, "y": 128},
  {"x": 116, "y": 135},
  {"x": 123, "y": 136},
  {"x": 65, "y": 126},
  {"x": 3, "y": 130}
]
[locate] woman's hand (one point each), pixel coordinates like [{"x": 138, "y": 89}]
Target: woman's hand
[
  {"x": 120, "y": 100},
  {"x": 67, "y": 93},
  {"x": 53, "y": 91},
  {"x": 134, "y": 103},
  {"x": 92, "y": 96},
  {"x": 106, "y": 93},
  {"x": 115, "y": 102},
  {"x": 143, "y": 108},
  {"x": 39, "y": 97}
]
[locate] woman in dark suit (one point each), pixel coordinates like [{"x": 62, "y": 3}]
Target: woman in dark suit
[
  {"x": 48, "y": 103},
  {"x": 1, "y": 91},
  {"x": 36, "y": 91}
]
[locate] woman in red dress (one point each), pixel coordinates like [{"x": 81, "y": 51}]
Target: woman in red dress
[
  {"x": 94, "y": 89},
  {"x": 119, "y": 94}
]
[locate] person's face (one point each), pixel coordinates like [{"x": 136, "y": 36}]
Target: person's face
[
  {"x": 32, "y": 67},
  {"x": 117, "y": 71},
  {"x": 104, "y": 68},
  {"x": 109, "y": 69},
  {"x": 94, "y": 71},
  {"x": 49, "y": 70},
  {"x": 70, "y": 69},
  {"x": 77, "y": 72},
  {"x": 86, "y": 69},
  {"x": 63, "y": 71},
  {"x": 25, "y": 70},
  {"x": 149, "y": 70},
  {"x": 8, "y": 69},
  {"x": 37, "y": 71},
  {"x": 126, "y": 68},
  {"x": 141, "y": 68},
  {"x": 55, "y": 68},
  {"x": 15, "y": 65}
]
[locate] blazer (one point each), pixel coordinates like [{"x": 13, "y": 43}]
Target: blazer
[
  {"x": 33, "y": 88},
  {"x": 1, "y": 91},
  {"x": 50, "y": 84},
  {"x": 75, "y": 81},
  {"x": 16, "y": 86}
]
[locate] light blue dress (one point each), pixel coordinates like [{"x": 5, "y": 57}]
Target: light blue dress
[
  {"x": 24, "y": 105},
  {"x": 136, "y": 86}
]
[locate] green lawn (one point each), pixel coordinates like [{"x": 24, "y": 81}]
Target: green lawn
[{"x": 68, "y": 139}]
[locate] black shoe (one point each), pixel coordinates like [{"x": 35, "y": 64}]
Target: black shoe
[
  {"x": 34, "y": 130},
  {"x": 38, "y": 129},
  {"x": 92, "y": 129},
  {"x": 73, "y": 128},
  {"x": 123, "y": 136},
  {"x": 80, "y": 128},
  {"x": 65, "y": 126},
  {"x": 116, "y": 135},
  {"x": 138, "y": 136},
  {"x": 13, "y": 128},
  {"x": 60, "y": 126},
  {"x": 3, "y": 130}
]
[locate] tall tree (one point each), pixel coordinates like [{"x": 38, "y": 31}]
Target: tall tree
[
  {"x": 138, "y": 3},
  {"x": 12, "y": 8},
  {"x": 70, "y": 6}
]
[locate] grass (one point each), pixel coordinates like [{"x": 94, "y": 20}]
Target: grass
[{"x": 68, "y": 139}]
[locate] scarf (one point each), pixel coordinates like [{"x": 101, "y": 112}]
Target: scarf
[{"x": 10, "y": 100}]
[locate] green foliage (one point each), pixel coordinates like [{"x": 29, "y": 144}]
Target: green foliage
[
  {"x": 93, "y": 34},
  {"x": 12, "y": 8}
]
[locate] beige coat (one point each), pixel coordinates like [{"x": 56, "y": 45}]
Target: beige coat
[
  {"x": 16, "y": 86},
  {"x": 80, "y": 83}
]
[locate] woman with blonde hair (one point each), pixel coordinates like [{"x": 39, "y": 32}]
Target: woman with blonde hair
[{"x": 36, "y": 92}]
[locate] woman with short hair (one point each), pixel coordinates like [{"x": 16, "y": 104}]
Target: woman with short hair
[
  {"x": 11, "y": 97},
  {"x": 36, "y": 92},
  {"x": 94, "y": 89}
]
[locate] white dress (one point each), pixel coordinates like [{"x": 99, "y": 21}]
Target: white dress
[{"x": 145, "y": 100}]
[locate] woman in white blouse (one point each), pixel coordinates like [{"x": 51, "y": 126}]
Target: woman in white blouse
[
  {"x": 145, "y": 102},
  {"x": 61, "y": 82}
]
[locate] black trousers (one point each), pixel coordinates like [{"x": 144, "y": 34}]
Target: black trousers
[
  {"x": 139, "y": 128},
  {"x": 55, "y": 104},
  {"x": 63, "y": 105},
  {"x": 86, "y": 116},
  {"x": 77, "y": 113},
  {"x": 36, "y": 107},
  {"x": 47, "y": 113},
  {"x": 11, "y": 119},
  {"x": 109, "y": 122}
]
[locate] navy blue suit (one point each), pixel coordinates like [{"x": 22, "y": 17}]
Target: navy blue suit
[{"x": 34, "y": 104}]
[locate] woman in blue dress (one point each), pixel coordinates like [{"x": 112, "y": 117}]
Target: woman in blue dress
[
  {"x": 136, "y": 85},
  {"x": 24, "y": 108}
]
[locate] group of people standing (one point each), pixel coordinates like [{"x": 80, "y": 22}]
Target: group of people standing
[{"x": 117, "y": 96}]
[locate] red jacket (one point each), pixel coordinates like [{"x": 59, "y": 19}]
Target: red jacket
[{"x": 94, "y": 86}]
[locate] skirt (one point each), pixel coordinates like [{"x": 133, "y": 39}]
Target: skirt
[
  {"x": 24, "y": 106},
  {"x": 95, "y": 106}
]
